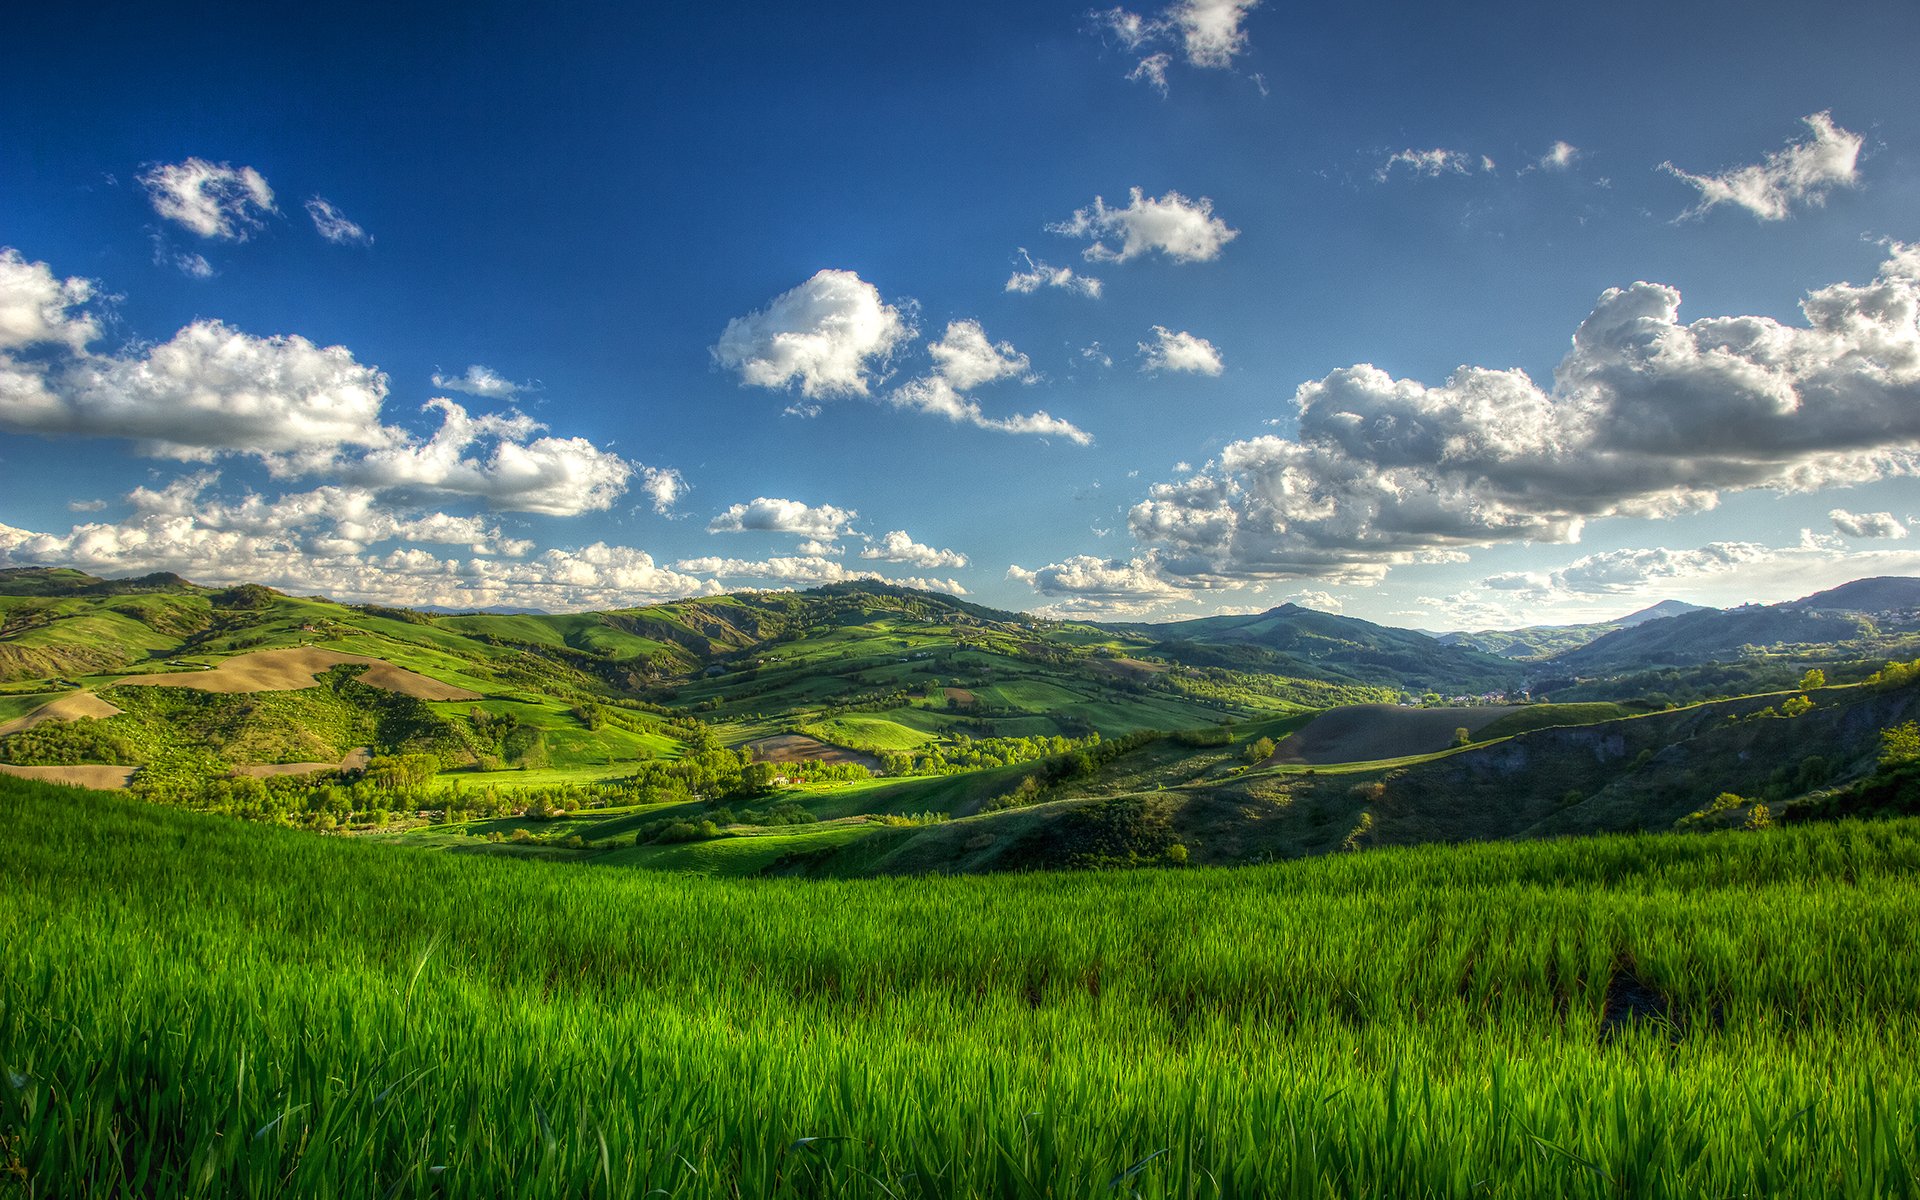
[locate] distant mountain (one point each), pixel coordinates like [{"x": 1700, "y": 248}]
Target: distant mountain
[
  {"x": 1884, "y": 594},
  {"x": 1660, "y": 611},
  {"x": 1544, "y": 641},
  {"x": 1857, "y": 613},
  {"x": 1302, "y": 642}
]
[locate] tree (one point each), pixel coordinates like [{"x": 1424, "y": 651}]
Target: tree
[
  {"x": 1795, "y": 706},
  {"x": 1900, "y": 744},
  {"x": 1260, "y": 750},
  {"x": 1462, "y": 736},
  {"x": 1814, "y": 678}
]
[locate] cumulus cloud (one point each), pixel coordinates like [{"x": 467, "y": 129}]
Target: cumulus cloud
[
  {"x": 1182, "y": 351},
  {"x": 86, "y": 506},
  {"x": 1087, "y": 586},
  {"x": 1040, "y": 274},
  {"x": 559, "y": 580},
  {"x": 897, "y": 547},
  {"x": 811, "y": 571},
  {"x": 214, "y": 200},
  {"x": 1801, "y": 172},
  {"x": 664, "y": 486},
  {"x": 481, "y": 381},
  {"x": 826, "y": 337},
  {"x": 211, "y": 388},
  {"x": 1183, "y": 230},
  {"x": 333, "y": 225},
  {"x": 38, "y": 308},
  {"x": 1646, "y": 417},
  {"x": 1431, "y": 164},
  {"x": 1612, "y": 572},
  {"x": 769, "y": 515},
  {"x": 963, "y": 359},
  {"x": 496, "y": 458},
  {"x": 1867, "y": 525},
  {"x": 1325, "y": 602}
]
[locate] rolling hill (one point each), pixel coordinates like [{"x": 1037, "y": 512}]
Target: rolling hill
[{"x": 1311, "y": 644}]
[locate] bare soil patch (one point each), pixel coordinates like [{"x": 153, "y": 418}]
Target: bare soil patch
[
  {"x": 411, "y": 683},
  {"x": 1364, "y": 732},
  {"x": 960, "y": 696},
  {"x": 88, "y": 775},
  {"x": 798, "y": 747},
  {"x": 353, "y": 761},
  {"x": 71, "y": 707},
  {"x": 294, "y": 668}
]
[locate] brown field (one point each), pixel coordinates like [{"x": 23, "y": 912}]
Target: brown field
[
  {"x": 411, "y": 683},
  {"x": 70, "y": 707},
  {"x": 354, "y": 761},
  {"x": 960, "y": 696},
  {"x": 798, "y": 747},
  {"x": 1364, "y": 732},
  {"x": 295, "y": 668},
  {"x": 89, "y": 776}
]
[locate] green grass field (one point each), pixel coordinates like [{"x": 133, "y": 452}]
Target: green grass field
[{"x": 198, "y": 1007}]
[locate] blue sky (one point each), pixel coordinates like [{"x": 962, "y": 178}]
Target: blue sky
[{"x": 734, "y": 295}]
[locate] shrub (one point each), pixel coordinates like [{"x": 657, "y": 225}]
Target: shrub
[{"x": 1259, "y": 750}]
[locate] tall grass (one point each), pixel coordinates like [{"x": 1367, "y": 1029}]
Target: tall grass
[{"x": 195, "y": 1007}]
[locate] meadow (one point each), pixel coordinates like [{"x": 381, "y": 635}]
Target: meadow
[{"x": 200, "y": 1007}]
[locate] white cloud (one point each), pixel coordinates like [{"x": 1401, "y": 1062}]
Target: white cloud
[
  {"x": 897, "y": 547},
  {"x": 1212, "y": 31},
  {"x": 811, "y": 571},
  {"x": 817, "y": 549},
  {"x": 1184, "y": 230},
  {"x": 1613, "y": 572},
  {"x": 826, "y": 336},
  {"x": 481, "y": 381},
  {"x": 1646, "y": 417},
  {"x": 769, "y": 515},
  {"x": 1152, "y": 71},
  {"x": 514, "y": 471},
  {"x": 214, "y": 200},
  {"x": 664, "y": 486},
  {"x": 1040, "y": 274},
  {"x": 965, "y": 358},
  {"x": 1867, "y": 525},
  {"x": 1090, "y": 577},
  {"x": 188, "y": 263},
  {"x": 1209, "y": 34},
  {"x": 1432, "y": 163},
  {"x": 37, "y": 307},
  {"x": 558, "y": 580},
  {"x": 1559, "y": 158},
  {"x": 86, "y": 506},
  {"x": 212, "y": 388},
  {"x": 1802, "y": 172},
  {"x": 1325, "y": 602},
  {"x": 333, "y": 225},
  {"x": 1182, "y": 351}
]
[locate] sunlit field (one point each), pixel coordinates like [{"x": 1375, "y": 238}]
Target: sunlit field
[{"x": 195, "y": 1006}]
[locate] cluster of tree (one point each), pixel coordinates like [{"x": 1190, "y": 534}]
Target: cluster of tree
[
  {"x": 1081, "y": 762},
  {"x": 714, "y": 823},
  {"x": 971, "y": 754},
  {"x": 63, "y": 743}
]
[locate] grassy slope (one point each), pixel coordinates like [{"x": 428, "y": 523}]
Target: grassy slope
[{"x": 283, "y": 1014}]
